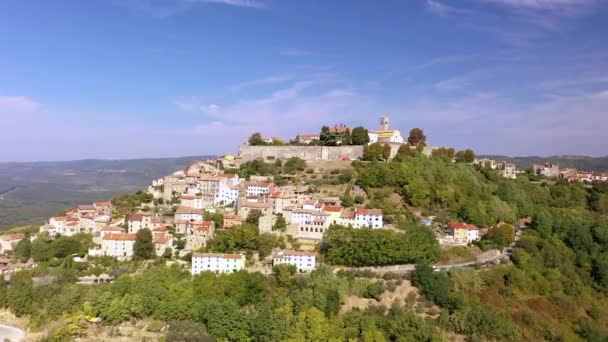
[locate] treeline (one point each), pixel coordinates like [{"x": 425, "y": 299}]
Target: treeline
[
  {"x": 327, "y": 137},
  {"x": 237, "y": 307},
  {"x": 261, "y": 168},
  {"x": 245, "y": 237},
  {"x": 460, "y": 191},
  {"x": 376, "y": 247},
  {"x": 128, "y": 204}
]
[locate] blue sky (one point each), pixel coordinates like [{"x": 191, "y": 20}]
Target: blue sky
[{"x": 159, "y": 78}]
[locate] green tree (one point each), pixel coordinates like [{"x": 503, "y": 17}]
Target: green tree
[
  {"x": 144, "y": 245},
  {"x": 256, "y": 139},
  {"x": 465, "y": 156},
  {"x": 346, "y": 138},
  {"x": 360, "y": 136},
  {"x": 253, "y": 217},
  {"x": 328, "y": 138},
  {"x": 3, "y": 289},
  {"x": 217, "y": 218},
  {"x": 23, "y": 249},
  {"x": 386, "y": 152},
  {"x": 416, "y": 137},
  {"x": 312, "y": 326},
  {"x": 346, "y": 200},
  {"x": 19, "y": 295},
  {"x": 224, "y": 320},
  {"x": 403, "y": 152},
  {"x": 277, "y": 142},
  {"x": 443, "y": 152},
  {"x": 373, "y": 152},
  {"x": 280, "y": 224},
  {"x": 502, "y": 236},
  {"x": 293, "y": 165}
]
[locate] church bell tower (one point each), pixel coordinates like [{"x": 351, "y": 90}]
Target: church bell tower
[{"x": 384, "y": 123}]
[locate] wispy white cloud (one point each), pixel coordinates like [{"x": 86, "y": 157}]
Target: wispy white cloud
[
  {"x": 236, "y": 3},
  {"x": 18, "y": 103},
  {"x": 160, "y": 9},
  {"x": 546, "y": 4},
  {"x": 194, "y": 105},
  {"x": 548, "y": 14},
  {"x": 302, "y": 106},
  {"x": 270, "y": 80},
  {"x": 211, "y": 109},
  {"x": 449, "y": 59},
  {"x": 574, "y": 82},
  {"x": 299, "y": 53},
  {"x": 443, "y": 9},
  {"x": 452, "y": 84}
]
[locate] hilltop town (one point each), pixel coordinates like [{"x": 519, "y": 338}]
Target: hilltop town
[
  {"x": 347, "y": 203},
  {"x": 184, "y": 210}
]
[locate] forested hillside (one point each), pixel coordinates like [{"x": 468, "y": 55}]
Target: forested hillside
[{"x": 555, "y": 289}]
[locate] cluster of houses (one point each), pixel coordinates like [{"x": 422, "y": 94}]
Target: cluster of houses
[
  {"x": 571, "y": 174},
  {"x": 504, "y": 168},
  {"x": 549, "y": 170},
  {"x": 181, "y": 204}
]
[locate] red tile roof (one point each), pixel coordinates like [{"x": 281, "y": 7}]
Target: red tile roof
[
  {"x": 339, "y": 128},
  {"x": 460, "y": 225},
  {"x": 102, "y": 204},
  {"x": 162, "y": 240},
  {"x": 333, "y": 208},
  {"x": 112, "y": 229},
  {"x": 137, "y": 217},
  {"x": 120, "y": 237},
  {"x": 217, "y": 255},
  {"x": 371, "y": 212},
  {"x": 10, "y": 237},
  {"x": 349, "y": 214}
]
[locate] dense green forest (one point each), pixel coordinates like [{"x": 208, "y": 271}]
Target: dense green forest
[{"x": 556, "y": 287}]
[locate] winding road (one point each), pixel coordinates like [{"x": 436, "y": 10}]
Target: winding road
[{"x": 8, "y": 333}]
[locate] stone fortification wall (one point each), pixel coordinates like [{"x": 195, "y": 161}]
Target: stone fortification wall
[{"x": 247, "y": 152}]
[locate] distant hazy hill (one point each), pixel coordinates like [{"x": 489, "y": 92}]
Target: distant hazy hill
[
  {"x": 32, "y": 192},
  {"x": 578, "y": 162}
]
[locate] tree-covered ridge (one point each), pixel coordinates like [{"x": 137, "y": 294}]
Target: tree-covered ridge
[
  {"x": 237, "y": 307},
  {"x": 556, "y": 287}
]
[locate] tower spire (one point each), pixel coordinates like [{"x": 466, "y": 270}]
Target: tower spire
[{"x": 384, "y": 123}]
